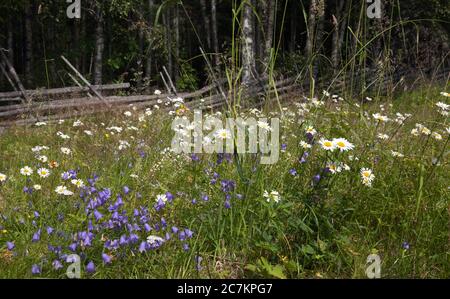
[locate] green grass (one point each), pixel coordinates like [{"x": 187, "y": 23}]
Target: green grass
[{"x": 316, "y": 230}]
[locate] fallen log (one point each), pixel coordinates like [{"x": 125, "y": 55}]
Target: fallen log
[{"x": 8, "y": 96}]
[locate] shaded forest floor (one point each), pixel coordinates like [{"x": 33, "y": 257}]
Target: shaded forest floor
[{"x": 110, "y": 190}]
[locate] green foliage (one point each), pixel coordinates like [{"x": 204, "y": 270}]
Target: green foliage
[{"x": 188, "y": 80}]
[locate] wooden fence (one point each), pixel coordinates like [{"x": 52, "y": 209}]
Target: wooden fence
[{"x": 55, "y": 104}]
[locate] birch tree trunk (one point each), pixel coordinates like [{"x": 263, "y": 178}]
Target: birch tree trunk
[
  {"x": 248, "y": 51},
  {"x": 148, "y": 67},
  {"x": 168, "y": 41},
  {"x": 215, "y": 38},
  {"x": 140, "y": 60},
  {"x": 99, "y": 48}
]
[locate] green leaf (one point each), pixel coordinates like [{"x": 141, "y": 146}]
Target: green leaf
[{"x": 277, "y": 271}]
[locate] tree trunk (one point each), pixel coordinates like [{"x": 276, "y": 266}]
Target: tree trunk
[
  {"x": 269, "y": 32},
  {"x": 206, "y": 22},
  {"x": 168, "y": 41},
  {"x": 378, "y": 45},
  {"x": 76, "y": 43},
  {"x": 293, "y": 29},
  {"x": 215, "y": 39},
  {"x": 316, "y": 12},
  {"x": 84, "y": 57},
  {"x": 319, "y": 33},
  {"x": 337, "y": 23},
  {"x": 99, "y": 48},
  {"x": 140, "y": 60},
  {"x": 261, "y": 8},
  {"x": 28, "y": 45},
  {"x": 315, "y": 30},
  {"x": 10, "y": 41},
  {"x": 248, "y": 52},
  {"x": 148, "y": 68},
  {"x": 176, "y": 26},
  {"x": 343, "y": 27}
]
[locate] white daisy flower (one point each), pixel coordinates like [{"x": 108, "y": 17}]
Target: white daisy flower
[
  {"x": 443, "y": 106},
  {"x": 39, "y": 148},
  {"x": 66, "y": 151},
  {"x": 155, "y": 240},
  {"x": 116, "y": 129},
  {"x": 77, "y": 123},
  {"x": 222, "y": 134},
  {"x": 157, "y": 92},
  {"x": 305, "y": 145},
  {"x": 334, "y": 168},
  {"x": 383, "y": 136},
  {"x": 272, "y": 196},
  {"x": 42, "y": 158},
  {"x": 123, "y": 145},
  {"x": 396, "y": 154},
  {"x": 43, "y": 172},
  {"x": 133, "y": 128},
  {"x": 178, "y": 100},
  {"x": 380, "y": 118},
  {"x": 207, "y": 140},
  {"x": 264, "y": 125},
  {"x": 327, "y": 145},
  {"x": 26, "y": 171},
  {"x": 78, "y": 183},
  {"x": 367, "y": 176},
  {"x": 3, "y": 177},
  {"x": 62, "y": 135},
  {"x": 425, "y": 131},
  {"x": 342, "y": 144},
  {"x": 415, "y": 132},
  {"x": 436, "y": 136},
  {"x": 161, "y": 197},
  {"x": 310, "y": 130},
  {"x": 37, "y": 187},
  {"x": 62, "y": 190}
]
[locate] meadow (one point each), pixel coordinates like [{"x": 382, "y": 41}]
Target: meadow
[{"x": 355, "y": 177}]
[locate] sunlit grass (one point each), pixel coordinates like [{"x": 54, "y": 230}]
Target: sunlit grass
[{"x": 319, "y": 227}]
